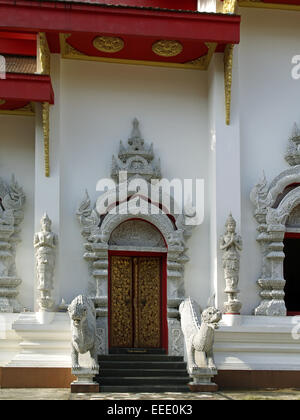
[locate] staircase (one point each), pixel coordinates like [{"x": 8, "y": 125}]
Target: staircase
[{"x": 142, "y": 373}]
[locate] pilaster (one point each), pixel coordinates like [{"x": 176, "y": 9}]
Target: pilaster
[
  {"x": 47, "y": 188},
  {"x": 224, "y": 172}
]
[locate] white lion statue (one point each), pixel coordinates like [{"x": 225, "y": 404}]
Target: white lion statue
[
  {"x": 199, "y": 335},
  {"x": 83, "y": 327}
]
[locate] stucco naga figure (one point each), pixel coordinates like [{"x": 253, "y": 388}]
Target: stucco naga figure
[
  {"x": 231, "y": 244},
  {"x": 45, "y": 243},
  {"x": 84, "y": 333},
  {"x": 199, "y": 339}
]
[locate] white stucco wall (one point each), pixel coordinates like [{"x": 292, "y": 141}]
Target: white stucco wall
[
  {"x": 269, "y": 106},
  {"x": 98, "y": 104},
  {"x": 17, "y": 157}
]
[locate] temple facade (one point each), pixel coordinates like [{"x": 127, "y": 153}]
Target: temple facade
[{"x": 149, "y": 154}]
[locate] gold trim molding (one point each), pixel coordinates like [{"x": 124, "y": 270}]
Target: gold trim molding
[
  {"x": 108, "y": 44},
  {"x": 43, "y": 55},
  {"x": 228, "y": 64},
  {"x": 46, "y": 134},
  {"x": 275, "y": 6},
  {"x": 202, "y": 63},
  {"x": 26, "y": 111}
]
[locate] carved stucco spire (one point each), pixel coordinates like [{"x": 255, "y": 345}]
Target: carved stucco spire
[
  {"x": 292, "y": 155},
  {"x": 136, "y": 158}
]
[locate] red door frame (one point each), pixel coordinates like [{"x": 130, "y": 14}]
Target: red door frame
[
  {"x": 164, "y": 321},
  {"x": 292, "y": 235}
]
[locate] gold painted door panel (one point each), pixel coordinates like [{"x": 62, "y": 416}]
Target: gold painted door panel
[
  {"x": 121, "y": 332},
  {"x": 135, "y": 302}
]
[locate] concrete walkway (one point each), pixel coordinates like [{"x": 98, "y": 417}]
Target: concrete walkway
[{"x": 64, "y": 394}]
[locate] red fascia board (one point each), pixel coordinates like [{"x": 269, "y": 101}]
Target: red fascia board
[
  {"x": 27, "y": 88},
  {"x": 16, "y": 43},
  {"x": 18, "y": 35},
  {"x": 60, "y": 17},
  {"x": 17, "y": 47}
]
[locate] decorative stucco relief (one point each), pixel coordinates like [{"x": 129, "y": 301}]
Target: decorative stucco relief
[
  {"x": 275, "y": 207},
  {"x": 11, "y": 215},
  {"x": 151, "y": 229}
]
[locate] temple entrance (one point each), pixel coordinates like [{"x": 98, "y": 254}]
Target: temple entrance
[
  {"x": 291, "y": 274},
  {"x": 135, "y": 303}
]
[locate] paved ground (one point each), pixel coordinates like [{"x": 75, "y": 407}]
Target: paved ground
[{"x": 64, "y": 394}]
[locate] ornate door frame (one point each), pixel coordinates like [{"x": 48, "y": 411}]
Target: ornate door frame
[
  {"x": 138, "y": 161},
  {"x": 273, "y": 207}
]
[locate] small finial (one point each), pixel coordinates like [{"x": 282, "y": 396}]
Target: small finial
[
  {"x": 230, "y": 220},
  {"x": 135, "y": 129}
]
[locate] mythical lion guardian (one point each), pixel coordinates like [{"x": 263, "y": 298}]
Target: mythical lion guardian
[
  {"x": 83, "y": 327},
  {"x": 199, "y": 335}
]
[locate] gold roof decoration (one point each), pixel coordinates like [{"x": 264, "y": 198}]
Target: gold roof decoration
[
  {"x": 167, "y": 48},
  {"x": 108, "y": 44}
]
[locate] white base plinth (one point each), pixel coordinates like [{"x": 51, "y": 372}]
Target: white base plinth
[{"x": 44, "y": 340}]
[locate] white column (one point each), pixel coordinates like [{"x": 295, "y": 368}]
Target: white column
[
  {"x": 225, "y": 183},
  {"x": 47, "y": 189}
]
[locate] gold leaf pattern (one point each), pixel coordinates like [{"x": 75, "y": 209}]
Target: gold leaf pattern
[
  {"x": 121, "y": 297},
  {"x": 135, "y": 302},
  {"x": 149, "y": 302}
]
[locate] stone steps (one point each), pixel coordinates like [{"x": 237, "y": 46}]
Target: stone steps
[{"x": 142, "y": 373}]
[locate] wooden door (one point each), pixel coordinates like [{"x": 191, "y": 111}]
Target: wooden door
[{"x": 135, "y": 302}]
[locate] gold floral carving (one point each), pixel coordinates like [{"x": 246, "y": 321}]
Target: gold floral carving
[
  {"x": 121, "y": 328},
  {"x": 69, "y": 52},
  {"x": 2, "y": 101},
  {"x": 167, "y": 48},
  {"x": 135, "y": 302},
  {"x": 46, "y": 133},
  {"x": 108, "y": 44},
  {"x": 203, "y": 62},
  {"x": 149, "y": 296},
  {"x": 228, "y": 63}
]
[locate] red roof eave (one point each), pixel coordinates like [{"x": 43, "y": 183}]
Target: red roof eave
[
  {"x": 56, "y": 17},
  {"x": 24, "y": 87}
]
